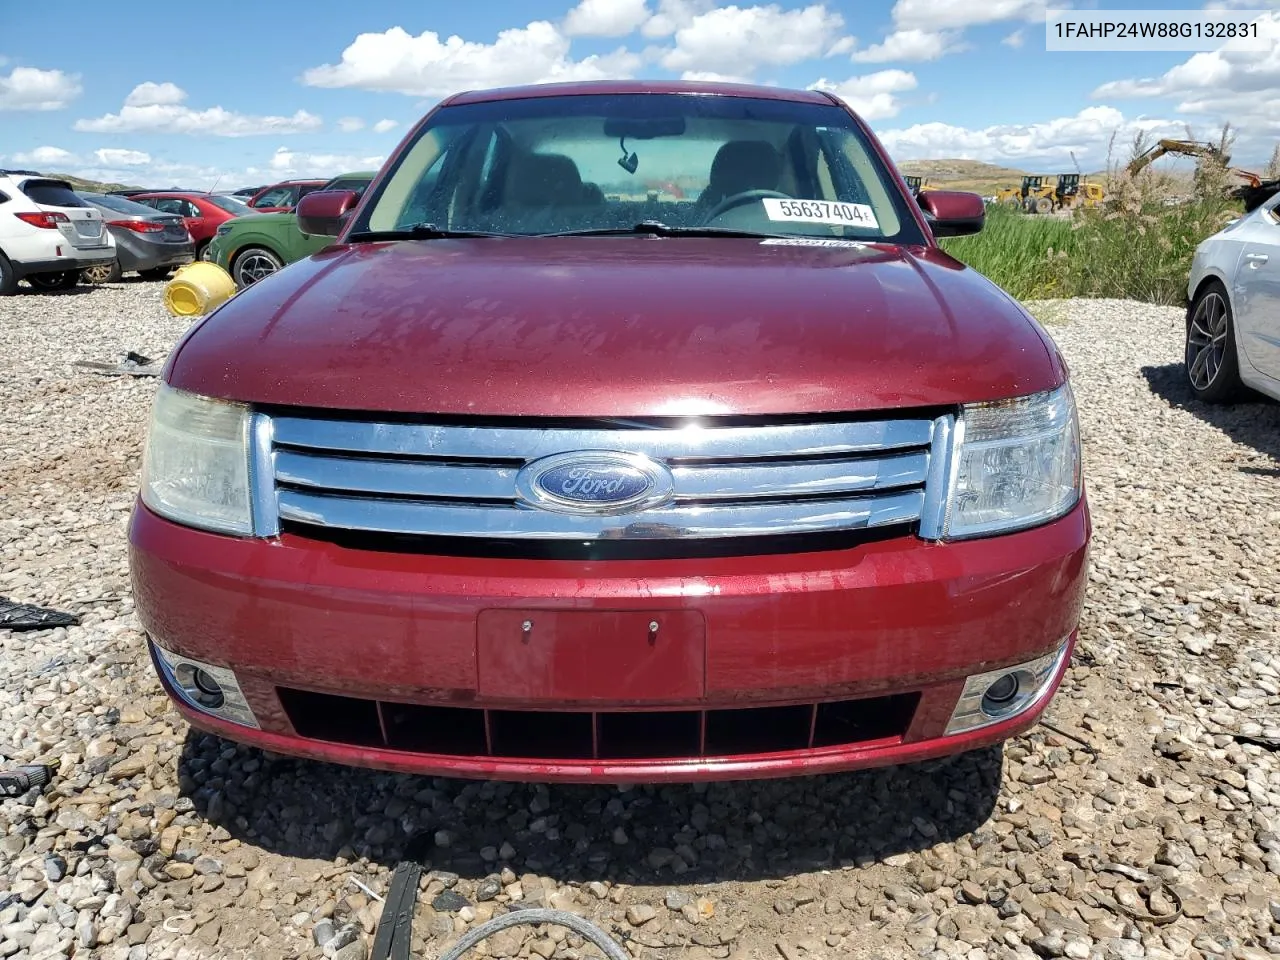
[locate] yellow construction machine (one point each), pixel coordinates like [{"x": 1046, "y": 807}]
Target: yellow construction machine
[
  {"x": 1065, "y": 193},
  {"x": 1252, "y": 183}
]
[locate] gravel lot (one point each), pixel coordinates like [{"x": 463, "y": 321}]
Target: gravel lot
[{"x": 1142, "y": 820}]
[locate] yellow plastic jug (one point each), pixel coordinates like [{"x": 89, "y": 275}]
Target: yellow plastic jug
[{"x": 197, "y": 288}]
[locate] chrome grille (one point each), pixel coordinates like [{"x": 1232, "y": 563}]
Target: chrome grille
[{"x": 728, "y": 481}]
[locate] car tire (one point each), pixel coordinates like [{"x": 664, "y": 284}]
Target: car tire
[
  {"x": 8, "y": 277},
  {"x": 158, "y": 273},
  {"x": 102, "y": 273},
  {"x": 1209, "y": 358},
  {"x": 253, "y": 264},
  {"x": 203, "y": 252},
  {"x": 54, "y": 281}
]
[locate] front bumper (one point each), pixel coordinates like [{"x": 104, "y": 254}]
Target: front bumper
[{"x": 320, "y": 634}]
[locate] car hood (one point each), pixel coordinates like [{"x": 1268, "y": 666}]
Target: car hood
[{"x": 626, "y": 326}]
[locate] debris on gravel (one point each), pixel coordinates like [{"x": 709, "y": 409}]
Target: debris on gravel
[{"x": 1141, "y": 821}]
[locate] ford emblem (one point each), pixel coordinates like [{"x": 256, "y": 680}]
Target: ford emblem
[{"x": 594, "y": 482}]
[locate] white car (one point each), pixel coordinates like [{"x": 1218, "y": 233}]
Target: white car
[
  {"x": 1233, "y": 314},
  {"x": 47, "y": 233}
]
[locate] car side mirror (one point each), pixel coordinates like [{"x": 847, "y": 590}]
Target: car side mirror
[
  {"x": 952, "y": 213},
  {"x": 323, "y": 214}
]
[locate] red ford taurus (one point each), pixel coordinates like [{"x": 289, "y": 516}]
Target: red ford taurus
[{"x": 541, "y": 471}]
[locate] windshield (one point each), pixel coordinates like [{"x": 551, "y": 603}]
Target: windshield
[
  {"x": 562, "y": 164},
  {"x": 229, "y": 204}
]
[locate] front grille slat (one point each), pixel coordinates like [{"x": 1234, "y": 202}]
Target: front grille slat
[
  {"x": 529, "y": 443},
  {"x": 462, "y": 483},
  {"x": 676, "y": 522},
  {"x": 395, "y": 477},
  {"x": 799, "y": 478}
]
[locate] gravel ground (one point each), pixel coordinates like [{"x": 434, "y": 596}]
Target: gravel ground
[{"x": 1143, "y": 819}]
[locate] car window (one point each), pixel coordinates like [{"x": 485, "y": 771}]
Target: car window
[
  {"x": 119, "y": 204},
  {"x": 175, "y": 205},
  {"x": 52, "y": 193},
  {"x": 190, "y": 209},
  {"x": 147, "y": 201},
  {"x": 229, "y": 204},
  {"x": 277, "y": 197},
  {"x": 4, "y": 197},
  {"x": 357, "y": 186},
  {"x": 302, "y": 189},
  {"x": 561, "y": 164}
]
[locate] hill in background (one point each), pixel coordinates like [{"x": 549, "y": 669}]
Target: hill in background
[{"x": 91, "y": 186}]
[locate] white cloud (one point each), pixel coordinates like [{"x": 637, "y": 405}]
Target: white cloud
[
  {"x": 911, "y": 45},
  {"x": 1015, "y": 39},
  {"x": 288, "y": 163},
  {"x": 1048, "y": 144},
  {"x": 158, "y": 108},
  {"x": 425, "y": 65},
  {"x": 1241, "y": 86},
  {"x": 605, "y": 18},
  {"x": 382, "y": 126},
  {"x": 28, "y": 88},
  {"x": 957, "y": 14},
  {"x": 350, "y": 124},
  {"x": 113, "y": 157},
  {"x": 674, "y": 14},
  {"x": 46, "y": 157},
  {"x": 737, "y": 39},
  {"x": 872, "y": 95},
  {"x": 710, "y": 76},
  {"x": 150, "y": 94}
]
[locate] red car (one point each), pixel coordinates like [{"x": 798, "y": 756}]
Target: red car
[
  {"x": 541, "y": 472},
  {"x": 284, "y": 196},
  {"x": 203, "y": 212}
]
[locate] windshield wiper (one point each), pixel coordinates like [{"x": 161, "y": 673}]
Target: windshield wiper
[
  {"x": 657, "y": 228},
  {"x": 419, "y": 231}
]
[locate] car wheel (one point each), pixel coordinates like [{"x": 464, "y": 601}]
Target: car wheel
[
  {"x": 54, "y": 281},
  {"x": 102, "y": 273},
  {"x": 203, "y": 252},
  {"x": 254, "y": 264},
  {"x": 159, "y": 273},
  {"x": 8, "y": 277},
  {"x": 1213, "y": 368}
]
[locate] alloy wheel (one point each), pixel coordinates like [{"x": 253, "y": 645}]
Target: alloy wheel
[
  {"x": 254, "y": 266},
  {"x": 1207, "y": 340}
]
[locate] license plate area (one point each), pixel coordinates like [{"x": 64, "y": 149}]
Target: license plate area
[{"x": 591, "y": 657}]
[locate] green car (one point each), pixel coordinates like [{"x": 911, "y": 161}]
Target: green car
[{"x": 250, "y": 248}]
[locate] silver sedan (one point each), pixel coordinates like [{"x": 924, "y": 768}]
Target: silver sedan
[{"x": 1233, "y": 319}]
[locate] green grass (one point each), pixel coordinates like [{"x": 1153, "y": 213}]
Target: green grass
[{"x": 1136, "y": 251}]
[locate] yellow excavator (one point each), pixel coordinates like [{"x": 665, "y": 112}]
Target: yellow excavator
[
  {"x": 917, "y": 184},
  {"x": 1253, "y": 191}
]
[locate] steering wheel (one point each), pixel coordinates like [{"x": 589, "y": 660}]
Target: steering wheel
[{"x": 738, "y": 199}]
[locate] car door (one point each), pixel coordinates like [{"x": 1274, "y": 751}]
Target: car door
[
  {"x": 1255, "y": 290},
  {"x": 197, "y": 224}
]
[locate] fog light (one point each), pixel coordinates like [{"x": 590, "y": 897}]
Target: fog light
[
  {"x": 205, "y": 687},
  {"x": 197, "y": 685},
  {"x": 997, "y": 695}
]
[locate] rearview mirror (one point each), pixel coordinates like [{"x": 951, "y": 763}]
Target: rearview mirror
[
  {"x": 321, "y": 214},
  {"x": 952, "y": 213},
  {"x": 637, "y": 128}
]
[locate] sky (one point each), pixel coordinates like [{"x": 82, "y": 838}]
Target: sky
[{"x": 238, "y": 93}]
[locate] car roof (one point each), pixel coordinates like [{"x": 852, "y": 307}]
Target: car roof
[
  {"x": 619, "y": 87},
  {"x": 185, "y": 194},
  {"x": 354, "y": 175}
]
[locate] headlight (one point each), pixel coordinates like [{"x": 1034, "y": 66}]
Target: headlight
[
  {"x": 223, "y": 230},
  {"x": 196, "y": 467},
  {"x": 1017, "y": 464}
]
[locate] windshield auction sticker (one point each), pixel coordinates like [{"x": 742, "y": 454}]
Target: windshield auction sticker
[
  {"x": 811, "y": 242},
  {"x": 821, "y": 211}
]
